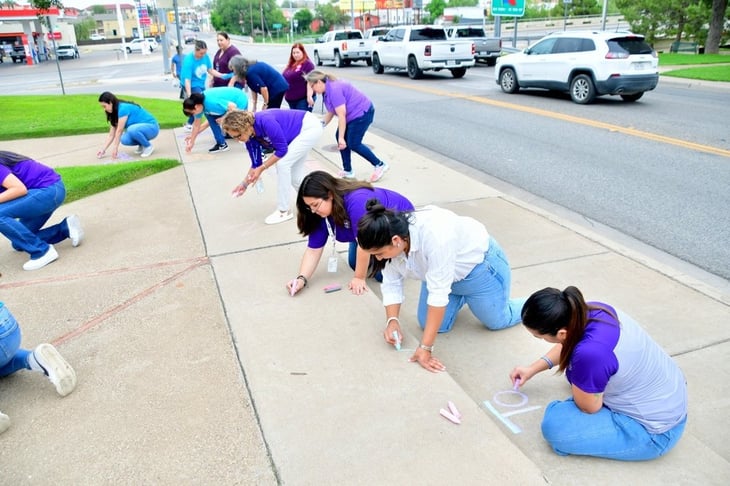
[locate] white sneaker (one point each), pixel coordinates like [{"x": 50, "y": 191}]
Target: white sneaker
[
  {"x": 75, "y": 231},
  {"x": 4, "y": 422},
  {"x": 379, "y": 172},
  {"x": 50, "y": 256},
  {"x": 55, "y": 368},
  {"x": 187, "y": 127},
  {"x": 278, "y": 217},
  {"x": 346, "y": 174},
  {"x": 147, "y": 151},
  {"x": 139, "y": 149}
]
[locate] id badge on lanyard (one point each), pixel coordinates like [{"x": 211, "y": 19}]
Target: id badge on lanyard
[{"x": 332, "y": 260}]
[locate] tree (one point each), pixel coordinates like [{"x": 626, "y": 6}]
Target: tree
[
  {"x": 98, "y": 9},
  {"x": 244, "y": 16},
  {"x": 304, "y": 18},
  {"x": 578, "y": 7},
  {"x": 84, "y": 28},
  {"x": 435, "y": 9},
  {"x": 330, "y": 16},
  {"x": 717, "y": 24},
  {"x": 675, "y": 19}
]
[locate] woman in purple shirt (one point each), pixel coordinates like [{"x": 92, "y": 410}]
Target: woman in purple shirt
[
  {"x": 299, "y": 95},
  {"x": 354, "y": 112},
  {"x": 222, "y": 57},
  {"x": 331, "y": 207},
  {"x": 29, "y": 194},
  {"x": 628, "y": 397},
  {"x": 291, "y": 134}
]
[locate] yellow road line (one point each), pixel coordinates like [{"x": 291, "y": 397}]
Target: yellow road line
[{"x": 557, "y": 116}]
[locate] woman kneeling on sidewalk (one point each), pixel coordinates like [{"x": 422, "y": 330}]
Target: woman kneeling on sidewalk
[
  {"x": 140, "y": 126},
  {"x": 29, "y": 193},
  {"x": 628, "y": 397},
  {"x": 44, "y": 358}
]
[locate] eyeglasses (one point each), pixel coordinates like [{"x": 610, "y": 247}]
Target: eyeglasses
[{"x": 315, "y": 207}]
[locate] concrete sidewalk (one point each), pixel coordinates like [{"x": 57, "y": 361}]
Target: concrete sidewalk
[{"x": 196, "y": 367}]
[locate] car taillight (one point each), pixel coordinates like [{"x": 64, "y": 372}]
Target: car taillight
[
  {"x": 427, "y": 50},
  {"x": 617, "y": 55},
  {"x": 473, "y": 49},
  {"x": 344, "y": 46}
]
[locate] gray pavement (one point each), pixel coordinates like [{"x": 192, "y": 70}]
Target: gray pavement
[{"x": 196, "y": 367}]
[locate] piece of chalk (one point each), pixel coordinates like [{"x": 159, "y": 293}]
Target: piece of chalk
[
  {"x": 397, "y": 341},
  {"x": 332, "y": 288},
  {"x": 293, "y": 287},
  {"x": 517, "y": 384},
  {"x": 454, "y": 411},
  {"x": 449, "y": 416}
]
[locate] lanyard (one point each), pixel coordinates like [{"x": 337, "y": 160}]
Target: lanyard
[{"x": 333, "y": 234}]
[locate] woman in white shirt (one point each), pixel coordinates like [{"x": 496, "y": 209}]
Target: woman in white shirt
[{"x": 457, "y": 262}]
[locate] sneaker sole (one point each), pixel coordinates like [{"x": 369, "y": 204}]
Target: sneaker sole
[
  {"x": 73, "y": 222},
  {"x": 61, "y": 374}
]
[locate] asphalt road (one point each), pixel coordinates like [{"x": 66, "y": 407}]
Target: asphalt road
[{"x": 656, "y": 171}]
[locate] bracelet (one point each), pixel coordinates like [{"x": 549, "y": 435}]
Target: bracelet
[
  {"x": 303, "y": 279},
  {"x": 426, "y": 348},
  {"x": 392, "y": 319},
  {"x": 547, "y": 360}
]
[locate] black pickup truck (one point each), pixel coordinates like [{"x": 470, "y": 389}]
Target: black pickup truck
[{"x": 18, "y": 54}]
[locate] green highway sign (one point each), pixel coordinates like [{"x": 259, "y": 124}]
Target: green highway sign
[{"x": 508, "y": 8}]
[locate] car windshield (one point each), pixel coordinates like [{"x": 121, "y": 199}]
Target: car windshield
[
  {"x": 630, "y": 45},
  {"x": 470, "y": 32}
]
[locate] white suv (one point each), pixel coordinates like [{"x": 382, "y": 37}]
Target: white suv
[{"x": 585, "y": 64}]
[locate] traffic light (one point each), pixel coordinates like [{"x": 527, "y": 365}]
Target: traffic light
[{"x": 171, "y": 17}]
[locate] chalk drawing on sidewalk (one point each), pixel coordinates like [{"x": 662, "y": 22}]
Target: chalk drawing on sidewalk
[{"x": 505, "y": 417}]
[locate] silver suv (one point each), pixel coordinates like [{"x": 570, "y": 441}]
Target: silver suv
[{"x": 585, "y": 64}]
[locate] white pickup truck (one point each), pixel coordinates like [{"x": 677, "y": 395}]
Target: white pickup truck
[
  {"x": 341, "y": 46},
  {"x": 419, "y": 48},
  {"x": 488, "y": 49}
]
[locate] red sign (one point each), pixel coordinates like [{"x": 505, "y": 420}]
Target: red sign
[
  {"x": 144, "y": 21},
  {"x": 54, "y": 35}
]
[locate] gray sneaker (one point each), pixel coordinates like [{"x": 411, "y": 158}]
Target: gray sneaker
[
  {"x": 55, "y": 368},
  {"x": 75, "y": 231}
]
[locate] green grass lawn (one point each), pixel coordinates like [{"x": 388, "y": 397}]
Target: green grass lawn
[
  {"x": 87, "y": 180},
  {"x": 58, "y": 116},
  {"x": 715, "y": 67}
]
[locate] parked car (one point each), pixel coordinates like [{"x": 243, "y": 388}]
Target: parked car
[
  {"x": 17, "y": 54},
  {"x": 136, "y": 45},
  {"x": 584, "y": 64},
  {"x": 153, "y": 43},
  {"x": 67, "y": 51},
  {"x": 97, "y": 37},
  {"x": 488, "y": 49},
  {"x": 188, "y": 37}
]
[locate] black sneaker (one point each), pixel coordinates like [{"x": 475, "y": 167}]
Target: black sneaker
[{"x": 218, "y": 148}]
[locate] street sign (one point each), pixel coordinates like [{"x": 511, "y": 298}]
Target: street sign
[
  {"x": 276, "y": 26},
  {"x": 508, "y": 8}
]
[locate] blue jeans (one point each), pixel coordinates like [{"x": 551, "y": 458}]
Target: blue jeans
[
  {"x": 606, "y": 434},
  {"x": 354, "y": 133},
  {"x": 12, "y": 357},
  {"x": 220, "y": 137},
  {"x": 300, "y": 104},
  {"x": 140, "y": 134},
  {"x": 21, "y": 220},
  {"x": 485, "y": 290}
]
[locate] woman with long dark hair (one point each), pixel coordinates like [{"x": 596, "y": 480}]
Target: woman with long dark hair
[
  {"x": 226, "y": 50},
  {"x": 329, "y": 207},
  {"x": 130, "y": 124},
  {"x": 29, "y": 194},
  {"x": 629, "y": 398},
  {"x": 457, "y": 262}
]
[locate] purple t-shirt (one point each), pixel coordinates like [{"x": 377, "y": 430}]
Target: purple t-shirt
[
  {"x": 220, "y": 64},
  {"x": 295, "y": 77},
  {"x": 31, "y": 173},
  {"x": 275, "y": 129},
  {"x": 339, "y": 92},
  {"x": 593, "y": 361},
  {"x": 355, "y": 208}
]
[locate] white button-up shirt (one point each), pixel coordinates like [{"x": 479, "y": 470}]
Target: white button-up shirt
[{"x": 444, "y": 248}]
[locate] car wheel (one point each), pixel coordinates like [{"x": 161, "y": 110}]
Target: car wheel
[
  {"x": 317, "y": 60},
  {"x": 414, "y": 72},
  {"x": 632, "y": 97},
  {"x": 338, "y": 60},
  {"x": 508, "y": 81},
  {"x": 458, "y": 72},
  {"x": 377, "y": 67},
  {"x": 582, "y": 90},
  {"x": 129, "y": 50}
]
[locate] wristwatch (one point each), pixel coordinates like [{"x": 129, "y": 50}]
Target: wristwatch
[{"x": 426, "y": 348}]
